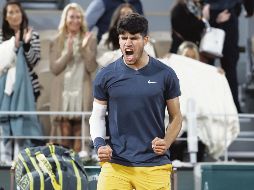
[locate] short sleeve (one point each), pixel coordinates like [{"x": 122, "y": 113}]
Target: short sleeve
[
  {"x": 172, "y": 86},
  {"x": 99, "y": 86}
]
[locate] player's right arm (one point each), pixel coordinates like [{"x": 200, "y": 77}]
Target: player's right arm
[{"x": 98, "y": 130}]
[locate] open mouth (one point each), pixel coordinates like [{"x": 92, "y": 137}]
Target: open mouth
[
  {"x": 129, "y": 55},
  {"x": 129, "y": 52}
]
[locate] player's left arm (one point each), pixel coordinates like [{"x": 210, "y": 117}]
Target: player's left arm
[
  {"x": 160, "y": 146},
  {"x": 175, "y": 121}
]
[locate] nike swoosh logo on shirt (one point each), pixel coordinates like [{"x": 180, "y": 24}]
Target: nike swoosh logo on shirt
[{"x": 151, "y": 82}]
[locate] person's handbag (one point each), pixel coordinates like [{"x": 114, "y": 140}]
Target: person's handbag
[{"x": 212, "y": 41}]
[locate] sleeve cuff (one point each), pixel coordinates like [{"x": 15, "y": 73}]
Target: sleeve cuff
[
  {"x": 26, "y": 47},
  {"x": 98, "y": 142}
]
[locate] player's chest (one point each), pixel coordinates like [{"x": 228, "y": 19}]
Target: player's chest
[{"x": 136, "y": 85}]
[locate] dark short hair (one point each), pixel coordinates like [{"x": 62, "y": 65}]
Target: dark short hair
[
  {"x": 133, "y": 23},
  {"x": 8, "y": 32}
]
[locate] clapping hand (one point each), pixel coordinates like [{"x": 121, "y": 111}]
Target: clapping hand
[
  {"x": 27, "y": 36},
  {"x": 70, "y": 43},
  {"x": 86, "y": 38}
]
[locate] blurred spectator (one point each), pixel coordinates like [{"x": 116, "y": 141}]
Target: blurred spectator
[
  {"x": 179, "y": 148},
  {"x": 99, "y": 13},
  {"x": 224, "y": 15},
  {"x": 15, "y": 23},
  {"x": 19, "y": 86},
  {"x": 211, "y": 98},
  {"x": 72, "y": 61},
  {"x": 111, "y": 36},
  {"x": 187, "y": 23},
  {"x": 189, "y": 49}
]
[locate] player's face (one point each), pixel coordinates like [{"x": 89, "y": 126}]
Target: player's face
[{"x": 132, "y": 47}]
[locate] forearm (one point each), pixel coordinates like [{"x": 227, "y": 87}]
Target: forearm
[
  {"x": 32, "y": 50},
  {"x": 160, "y": 146},
  {"x": 173, "y": 130},
  {"x": 58, "y": 61},
  {"x": 89, "y": 54},
  {"x": 98, "y": 124}
]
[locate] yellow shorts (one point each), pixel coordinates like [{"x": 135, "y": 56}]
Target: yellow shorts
[{"x": 118, "y": 177}]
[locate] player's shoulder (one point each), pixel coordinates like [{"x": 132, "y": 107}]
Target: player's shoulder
[{"x": 111, "y": 68}]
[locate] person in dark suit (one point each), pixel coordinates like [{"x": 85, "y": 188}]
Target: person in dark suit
[
  {"x": 187, "y": 21},
  {"x": 224, "y": 15}
]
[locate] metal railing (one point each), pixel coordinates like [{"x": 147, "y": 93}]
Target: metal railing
[
  {"x": 83, "y": 115},
  {"x": 191, "y": 118}
]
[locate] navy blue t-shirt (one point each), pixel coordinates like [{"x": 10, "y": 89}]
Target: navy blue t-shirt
[{"x": 136, "y": 109}]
